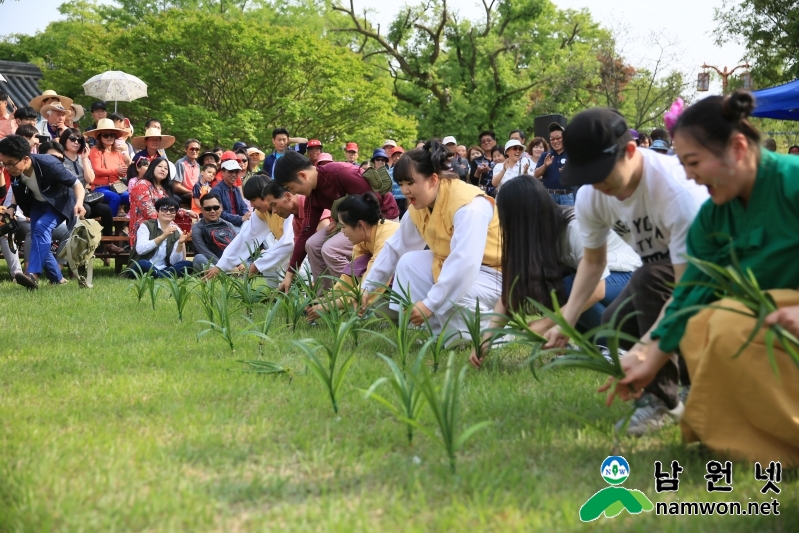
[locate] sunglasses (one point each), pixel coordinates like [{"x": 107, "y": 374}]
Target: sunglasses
[
  {"x": 107, "y": 135},
  {"x": 555, "y": 139},
  {"x": 166, "y": 209},
  {"x": 212, "y": 208},
  {"x": 244, "y": 161},
  {"x": 194, "y": 149},
  {"x": 74, "y": 139}
]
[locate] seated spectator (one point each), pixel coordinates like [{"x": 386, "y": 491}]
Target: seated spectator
[
  {"x": 8, "y": 126},
  {"x": 153, "y": 143},
  {"x": 351, "y": 154},
  {"x": 324, "y": 158},
  {"x": 209, "y": 158},
  {"x": 120, "y": 122},
  {"x": 462, "y": 151},
  {"x": 99, "y": 111},
  {"x": 537, "y": 146},
  {"x": 282, "y": 142},
  {"x": 154, "y": 185},
  {"x": 314, "y": 150},
  {"x": 513, "y": 166},
  {"x": 203, "y": 186},
  {"x": 266, "y": 229},
  {"x": 160, "y": 245},
  {"x": 136, "y": 172},
  {"x": 363, "y": 224},
  {"x": 234, "y": 210},
  {"x": 188, "y": 171},
  {"x": 244, "y": 165},
  {"x": 54, "y": 122},
  {"x": 255, "y": 157},
  {"x": 480, "y": 166},
  {"x": 110, "y": 163},
  {"x": 459, "y": 164},
  {"x": 25, "y": 115},
  {"x": 379, "y": 158},
  {"x": 74, "y": 113},
  {"x": 48, "y": 97},
  {"x": 211, "y": 235}
]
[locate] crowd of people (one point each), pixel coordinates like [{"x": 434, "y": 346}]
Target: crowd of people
[{"x": 598, "y": 216}]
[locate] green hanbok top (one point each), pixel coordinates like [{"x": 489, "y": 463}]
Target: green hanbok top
[{"x": 764, "y": 234}]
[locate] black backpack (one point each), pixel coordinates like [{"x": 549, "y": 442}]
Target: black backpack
[{"x": 218, "y": 236}]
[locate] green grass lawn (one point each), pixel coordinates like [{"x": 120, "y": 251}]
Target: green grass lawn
[{"x": 116, "y": 418}]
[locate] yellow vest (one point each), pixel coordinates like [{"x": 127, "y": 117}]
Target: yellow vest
[
  {"x": 438, "y": 227},
  {"x": 274, "y": 221},
  {"x": 380, "y": 234}
]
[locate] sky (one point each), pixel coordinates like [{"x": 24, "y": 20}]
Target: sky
[{"x": 689, "y": 23}]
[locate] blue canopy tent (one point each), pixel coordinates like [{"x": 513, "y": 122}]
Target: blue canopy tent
[{"x": 780, "y": 102}]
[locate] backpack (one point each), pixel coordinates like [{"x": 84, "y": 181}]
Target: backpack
[
  {"x": 378, "y": 179},
  {"x": 80, "y": 246},
  {"x": 218, "y": 236}
]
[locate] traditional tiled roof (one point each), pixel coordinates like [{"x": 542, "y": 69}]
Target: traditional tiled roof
[{"x": 22, "y": 81}]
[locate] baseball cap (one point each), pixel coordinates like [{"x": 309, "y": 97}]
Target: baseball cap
[
  {"x": 231, "y": 165},
  {"x": 238, "y": 145},
  {"x": 449, "y": 140},
  {"x": 389, "y": 142},
  {"x": 351, "y": 147},
  {"x": 314, "y": 143},
  {"x": 398, "y": 150},
  {"x": 98, "y": 105},
  {"x": 659, "y": 146},
  {"x": 593, "y": 141},
  {"x": 513, "y": 142},
  {"x": 555, "y": 126}
]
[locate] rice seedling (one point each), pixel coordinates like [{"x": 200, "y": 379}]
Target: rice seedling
[
  {"x": 407, "y": 394},
  {"x": 474, "y": 324},
  {"x": 438, "y": 347},
  {"x": 249, "y": 292},
  {"x": 140, "y": 283},
  {"x": 220, "y": 322},
  {"x": 266, "y": 367},
  {"x": 180, "y": 290},
  {"x": 444, "y": 402},
  {"x": 153, "y": 289},
  {"x": 293, "y": 304},
  {"x": 333, "y": 371},
  {"x": 403, "y": 335},
  {"x": 264, "y": 327},
  {"x": 735, "y": 283}
]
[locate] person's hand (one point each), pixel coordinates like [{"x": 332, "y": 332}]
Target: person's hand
[
  {"x": 122, "y": 170},
  {"x": 507, "y": 164},
  {"x": 182, "y": 238},
  {"x": 192, "y": 214},
  {"x": 213, "y": 272},
  {"x": 330, "y": 228},
  {"x": 364, "y": 303},
  {"x": 171, "y": 229},
  {"x": 526, "y": 167},
  {"x": 246, "y": 217},
  {"x": 253, "y": 270},
  {"x": 419, "y": 313},
  {"x": 312, "y": 312},
  {"x": 787, "y": 317},
  {"x": 80, "y": 211},
  {"x": 285, "y": 285},
  {"x": 640, "y": 365},
  {"x": 477, "y": 360},
  {"x": 548, "y": 160},
  {"x": 2, "y": 209},
  {"x": 555, "y": 338}
]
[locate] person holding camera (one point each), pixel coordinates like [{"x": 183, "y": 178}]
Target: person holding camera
[
  {"x": 49, "y": 194},
  {"x": 160, "y": 245}
]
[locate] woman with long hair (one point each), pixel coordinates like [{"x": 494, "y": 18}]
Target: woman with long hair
[
  {"x": 363, "y": 224},
  {"x": 458, "y": 224},
  {"x": 109, "y": 163},
  {"x": 155, "y": 184},
  {"x": 738, "y": 406},
  {"x": 541, "y": 248},
  {"x": 136, "y": 171}
]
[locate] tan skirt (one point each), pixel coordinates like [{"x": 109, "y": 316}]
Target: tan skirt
[{"x": 738, "y": 407}]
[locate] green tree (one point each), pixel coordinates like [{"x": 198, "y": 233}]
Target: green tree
[{"x": 770, "y": 31}]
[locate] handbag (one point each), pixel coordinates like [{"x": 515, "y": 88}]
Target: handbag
[
  {"x": 118, "y": 187},
  {"x": 92, "y": 198}
]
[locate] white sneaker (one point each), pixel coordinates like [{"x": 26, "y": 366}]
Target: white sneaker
[{"x": 651, "y": 414}]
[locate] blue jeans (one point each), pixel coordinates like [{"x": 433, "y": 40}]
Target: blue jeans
[
  {"x": 181, "y": 268},
  {"x": 44, "y": 219},
  {"x": 563, "y": 199},
  {"x": 113, "y": 199},
  {"x": 592, "y": 317}
]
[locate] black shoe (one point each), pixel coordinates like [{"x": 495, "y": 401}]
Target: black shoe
[{"x": 26, "y": 281}]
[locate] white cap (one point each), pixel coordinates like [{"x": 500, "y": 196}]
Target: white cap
[
  {"x": 513, "y": 142},
  {"x": 449, "y": 140},
  {"x": 390, "y": 142},
  {"x": 231, "y": 165}
]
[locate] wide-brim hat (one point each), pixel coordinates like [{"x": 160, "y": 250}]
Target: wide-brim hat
[
  {"x": 76, "y": 112},
  {"x": 37, "y": 102},
  {"x": 254, "y": 150},
  {"x": 140, "y": 142},
  {"x": 104, "y": 125},
  {"x": 206, "y": 154},
  {"x": 324, "y": 157}
]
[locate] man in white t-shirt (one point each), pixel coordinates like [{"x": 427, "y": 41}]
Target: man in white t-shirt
[{"x": 647, "y": 200}]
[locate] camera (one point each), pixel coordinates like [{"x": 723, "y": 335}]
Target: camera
[{"x": 9, "y": 227}]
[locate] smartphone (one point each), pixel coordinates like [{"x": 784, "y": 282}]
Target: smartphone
[{"x": 120, "y": 145}]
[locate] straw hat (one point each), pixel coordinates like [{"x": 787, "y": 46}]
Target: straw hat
[
  {"x": 103, "y": 125},
  {"x": 140, "y": 143},
  {"x": 254, "y": 150},
  {"x": 37, "y": 102},
  {"x": 76, "y": 113}
]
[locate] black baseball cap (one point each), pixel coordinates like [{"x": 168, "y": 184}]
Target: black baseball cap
[
  {"x": 593, "y": 140},
  {"x": 98, "y": 105}
]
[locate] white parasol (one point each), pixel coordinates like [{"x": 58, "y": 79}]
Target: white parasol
[{"x": 115, "y": 86}]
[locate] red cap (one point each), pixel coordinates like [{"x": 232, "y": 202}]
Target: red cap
[
  {"x": 398, "y": 150},
  {"x": 351, "y": 146},
  {"x": 229, "y": 155},
  {"x": 314, "y": 143}
]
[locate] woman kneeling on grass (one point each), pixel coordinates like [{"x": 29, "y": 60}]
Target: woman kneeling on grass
[
  {"x": 459, "y": 224},
  {"x": 541, "y": 248},
  {"x": 364, "y": 225},
  {"x": 737, "y": 406},
  {"x": 160, "y": 245}
]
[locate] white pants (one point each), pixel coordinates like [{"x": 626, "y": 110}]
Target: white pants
[
  {"x": 275, "y": 276},
  {"x": 415, "y": 269}
]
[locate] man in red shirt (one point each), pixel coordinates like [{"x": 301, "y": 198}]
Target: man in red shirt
[{"x": 326, "y": 250}]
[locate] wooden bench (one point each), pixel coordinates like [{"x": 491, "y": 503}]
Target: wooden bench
[{"x": 122, "y": 240}]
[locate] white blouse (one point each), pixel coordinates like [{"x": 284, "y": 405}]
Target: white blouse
[{"x": 144, "y": 246}]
